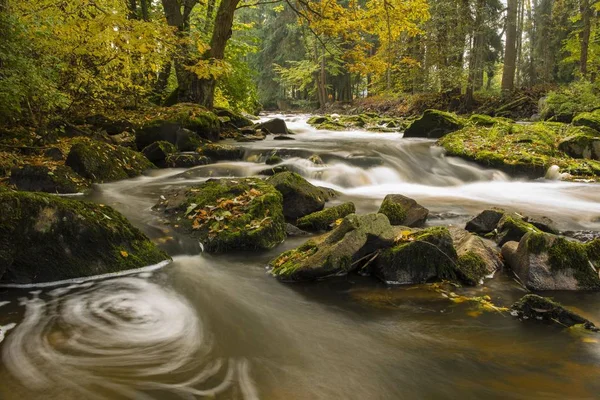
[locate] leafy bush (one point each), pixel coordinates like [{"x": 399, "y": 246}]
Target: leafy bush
[{"x": 563, "y": 104}]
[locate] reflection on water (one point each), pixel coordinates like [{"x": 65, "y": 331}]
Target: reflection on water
[{"x": 220, "y": 327}]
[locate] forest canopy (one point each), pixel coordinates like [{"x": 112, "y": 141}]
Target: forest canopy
[{"x": 60, "y": 59}]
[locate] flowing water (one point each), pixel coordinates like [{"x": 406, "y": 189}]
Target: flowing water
[{"x": 219, "y": 327}]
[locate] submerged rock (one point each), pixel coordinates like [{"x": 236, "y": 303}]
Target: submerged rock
[
  {"x": 41, "y": 178},
  {"x": 300, "y": 197},
  {"x": 434, "y": 124},
  {"x": 336, "y": 252},
  {"x": 275, "y": 126},
  {"x": 534, "y": 307},
  {"x": 322, "y": 220},
  {"x": 48, "y": 238},
  {"x": 229, "y": 214},
  {"x": 404, "y": 211},
  {"x": 543, "y": 261},
  {"x": 102, "y": 162}
]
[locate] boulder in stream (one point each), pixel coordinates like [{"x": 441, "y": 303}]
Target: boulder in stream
[
  {"x": 434, "y": 124},
  {"x": 534, "y": 307},
  {"x": 48, "y": 238},
  {"x": 300, "y": 197},
  {"x": 221, "y": 152},
  {"x": 322, "y": 220},
  {"x": 275, "y": 126},
  {"x": 504, "y": 227},
  {"x": 228, "y": 214},
  {"x": 336, "y": 252},
  {"x": 477, "y": 257},
  {"x": 404, "y": 211},
  {"x": 185, "y": 160},
  {"x": 158, "y": 152},
  {"x": 103, "y": 162},
  {"x": 583, "y": 142},
  {"x": 543, "y": 261}
]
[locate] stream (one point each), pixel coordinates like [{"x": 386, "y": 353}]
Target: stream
[{"x": 219, "y": 327}]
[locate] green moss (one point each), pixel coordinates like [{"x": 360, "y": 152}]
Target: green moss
[
  {"x": 589, "y": 119},
  {"x": 321, "y": 220},
  {"x": 537, "y": 243},
  {"x": 102, "y": 162},
  {"x": 512, "y": 227},
  {"x": 395, "y": 212},
  {"x": 188, "y": 116},
  {"x": 7, "y": 162},
  {"x": 289, "y": 261},
  {"x": 434, "y": 124},
  {"x": 486, "y": 120},
  {"x": 518, "y": 149},
  {"x": 567, "y": 254},
  {"x": 258, "y": 225},
  {"x": 534, "y": 307},
  {"x": 471, "y": 268},
  {"x": 53, "y": 238},
  {"x": 221, "y": 152},
  {"x": 300, "y": 197},
  {"x": 273, "y": 159}
]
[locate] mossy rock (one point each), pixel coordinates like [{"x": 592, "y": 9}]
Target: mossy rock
[
  {"x": 486, "y": 221},
  {"x": 322, "y": 220},
  {"x": 434, "y": 124},
  {"x": 41, "y": 178},
  {"x": 512, "y": 227},
  {"x": 221, "y": 152},
  {"x": 300, "y": 197},
  {"x": 111, "y": 125},
  {"x": 47, "y": 238},
  {"x": 402, "y": 210},
  {"x": 418, "y": 257},
  {"x": 522, "y": 150},
  {"x": 235, "y": 119},
  {"x": 337, "y": 252},
  {"x": 157, "y": 152},
  {"x": 230, "y": 214},
  {"x": 273, "y": 159},
  {"x": 486, "y": 120},
  {"x": 477, "y": 257},
  {"x": 184, "y": 160},
  {"x": 537, "y": 308},
  {"x": 589, "y": 119},
  {"x": 103, "y": 162},
  {"x": 170, "y": 124},
  {"x": 543, "y": 261},
  {"x": 582, "y": 142},
  {"x": 275, "y": 126}
]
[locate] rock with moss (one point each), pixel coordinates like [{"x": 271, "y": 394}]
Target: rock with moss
[
  {"x": 48, "y": 238},
  {"x": 42, "y": 178},
  {"x": 537, "y": 308},
  {"x": 584, "y": 142},
  {"x": 486, "y": 120},
  {"x": 184, "y": 125},
  {"x": 7, "y": 162},
  {"x": 434, "y": 124},
  {"x": 235, "y": 119},
  {"x": 543, "y": 261},
  {"x": 477, "y": 257},
  {"x": 300, "y": 197},
  {"x": 402, "y": 210},
  {"x": 276, "y": 126},
  {"x": 589, "y": 119},
  {"x": 323, "y": 220},
  {"x": 273, "y": 159},
  {"x": 418, "y": 257},
  {"x": 103, "y": 162},
  {"x": 512, "y": 227},
  {"x": 185, "y": 160},
  {"x": 527, "y": 150},
  {"x": 337, "y": 252},
  {"x": 221, "y": 152},
  {"x": 158, "y": 152},
  {"x": 228, "y": 214}
]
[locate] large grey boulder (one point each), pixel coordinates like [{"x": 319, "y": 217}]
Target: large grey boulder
[
  {"x": 275, "y": 126},
  {"x": 300, "y": 197},
  {"x": 544, "y": 261}
]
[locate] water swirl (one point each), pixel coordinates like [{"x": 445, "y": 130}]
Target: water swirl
[{"x": 126, "y": 337}]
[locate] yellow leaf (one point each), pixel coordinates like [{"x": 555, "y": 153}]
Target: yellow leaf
[{"x": 124, "y": 254}]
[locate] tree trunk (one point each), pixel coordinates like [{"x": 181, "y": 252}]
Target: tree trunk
[
  {"x": 510, "y": 51},
  {"x": 144, "y": 6},
  {"x": 584, "y": 36},
  {"x": 210, "y": 10},
  {"x": 476, "y": 56}
]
